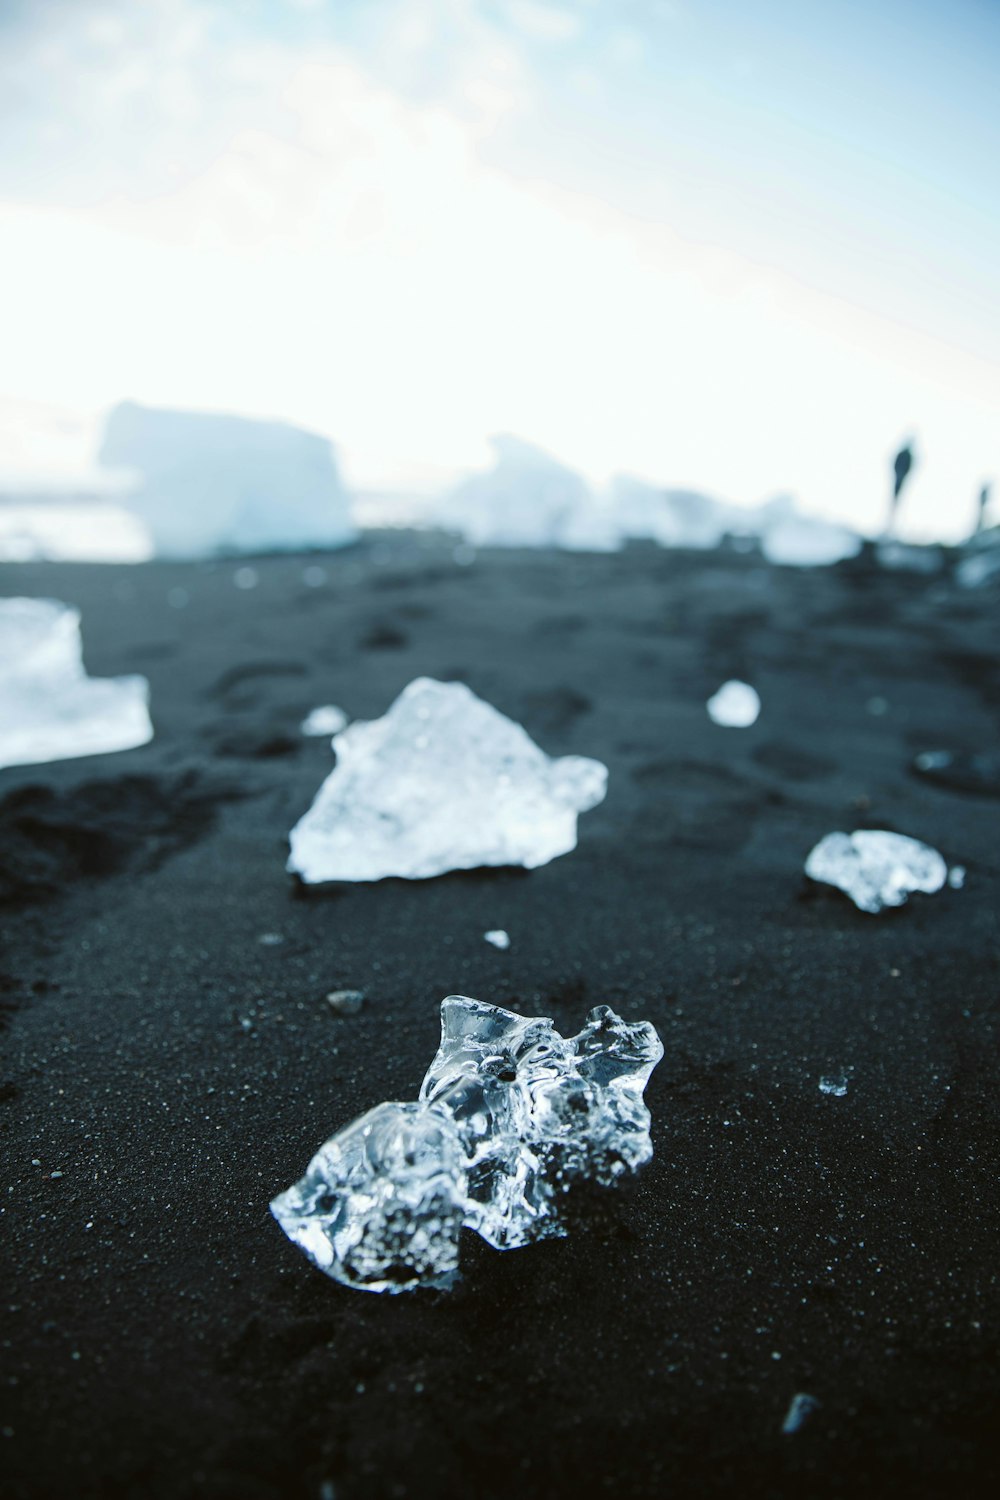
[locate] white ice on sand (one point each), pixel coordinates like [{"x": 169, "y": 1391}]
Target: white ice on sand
[
  {"x": 49, "y": 708},
  {"x": 736, "y": 705},
  {"x": 528, "y": 499},
  {"x": 441, "y": 782},
  {"x": 497, "y": 938},
  {"x": 327, "y": 719},
  {"x": 209, "y": 482},
  {"x": 876, "y": 868}
]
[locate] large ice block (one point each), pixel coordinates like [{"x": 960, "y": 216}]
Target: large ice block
[
  {"x": 49, "y": 708},
  {"x": 441, "y": 782}
]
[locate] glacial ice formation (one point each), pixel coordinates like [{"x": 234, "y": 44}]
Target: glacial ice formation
[
  {"x": 528, "y": 500},
  {"x": 510, "y": 1115},
  {"x": 441, "y": 782},
  {"x": 49, "y": 708},
  {"x": 876, "y": 868},
  {"x": 736, "y": 705},
  {"x": 209, "y": 482},
  {"x": 52, "y": 531}
]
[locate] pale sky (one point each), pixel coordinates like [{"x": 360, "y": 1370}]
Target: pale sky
[{"x": 744, "y": 248}]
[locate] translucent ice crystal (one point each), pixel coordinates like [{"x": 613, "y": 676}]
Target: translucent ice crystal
[
  {"x": 441, "y": 782},
  {"x": 876, "y": 868},
  {"x": 49, "y": 708},
  {"x": 736, "y": 705},
  {"x": 510, "y": 1114}
]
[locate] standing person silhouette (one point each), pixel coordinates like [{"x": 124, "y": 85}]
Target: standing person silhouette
[
  {"x": 984, "y": 500},
  {"x": 901, "y": 466}
]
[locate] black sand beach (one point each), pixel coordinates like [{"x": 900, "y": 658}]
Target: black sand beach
[{"x": 166, "y": 1070}]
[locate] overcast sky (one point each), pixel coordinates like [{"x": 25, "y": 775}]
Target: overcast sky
[{"x": 745, "y": 246}]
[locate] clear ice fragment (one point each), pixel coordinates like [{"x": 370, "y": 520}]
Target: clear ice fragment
[
  {"x": 441, "y": 782},
  {"x": 327, "y": 719},
  {"x": 876, "y": 868},
  {"x": 49, "y": 708},
  {"x": 381, "y": 1204},
  {"x": 956, "y": 877},
  {"x": 510, "y": 1114},
  {"x": 497, "y": 937},
  {"x": 834, "y": 1084},
  {"x": 736, "y": 705}
]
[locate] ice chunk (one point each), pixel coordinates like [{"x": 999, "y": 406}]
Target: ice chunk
[
  {"x": 673, "y": 518},
  {"x": 876, "y": 868},
  {"x": 49, "y": 708},
  {"x": 528, "y": 500},
  {"x": 510, "y": 1114},
  {"x": 381, "y": 1204},
  {"x": 441, "y": 782},
  {"x": 956, "y": 877},
  {"x": 497, "y": 937},
  {"x": 328, "y": 719},
  {"x": 834, "y": 1083},
  {"x": 535, "y": 1110},
  {"x": 801, "y": 541},
  {"x": 800, "y": 1407},
  {"x": 210, "y": 483},
  {"x": 735, "y": 705},
  {"x": 45, "y": 531}
]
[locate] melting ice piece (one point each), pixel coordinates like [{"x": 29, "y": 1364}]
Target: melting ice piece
[
  {"x": 800, "y": 1407},
  {"x": 328, "y": 719},
  {"x": 497, "y": 937},
  {"x": 834, "y": 1083},
  {"x": 876, "y": 868},
  {"x": 441, "y": 782},
  {"x": 536, "y": 1111},
  {"x": 735, "y": 705},
  {"x": 49, "y": 708},
  {"x": 510, "y": 1113},
  {"x": 382, "y": 1202},
  {"x": 956, "y": 877}
]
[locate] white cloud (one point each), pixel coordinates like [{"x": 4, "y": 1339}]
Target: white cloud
[{"x": 546, "y": 23}]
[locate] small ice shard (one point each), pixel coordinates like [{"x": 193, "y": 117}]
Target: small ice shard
[
  {"x": 497, "y": 937},
  {"x": 736, "y": 705},
  {"x": 510, "y": 1114},
  {"x": 327, "y": 719},
  {"x": 346, "y": 1002},
  {"x": 208, "y": 482},
  {"x": 800, "y": 1407},
  {"x": 49, "y": 708},
  {"x": 441, "y": 782},
  {"x": 834, "y": 1083},
  {"x": 956, "y": 877},
  {"x": 876, "y": 868}
]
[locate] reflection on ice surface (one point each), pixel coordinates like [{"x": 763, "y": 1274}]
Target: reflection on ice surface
[
  {"x": 510, "y": 1115},
  {"x": 49, "y": 708},
  {"x": 441, "y": 782},
  {"x": 876, "y": 868}
]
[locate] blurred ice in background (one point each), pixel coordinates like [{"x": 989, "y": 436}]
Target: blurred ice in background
[{"x": 732, "y": 250}]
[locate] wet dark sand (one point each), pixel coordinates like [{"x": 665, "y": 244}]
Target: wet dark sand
[{"x": 164, "y": 1340}]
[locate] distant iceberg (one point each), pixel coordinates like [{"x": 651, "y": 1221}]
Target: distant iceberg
[
  {"x": 528, "y": 499},
  {"x": 49, "y": 708},
  {"x": 209, "y": 483}
]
